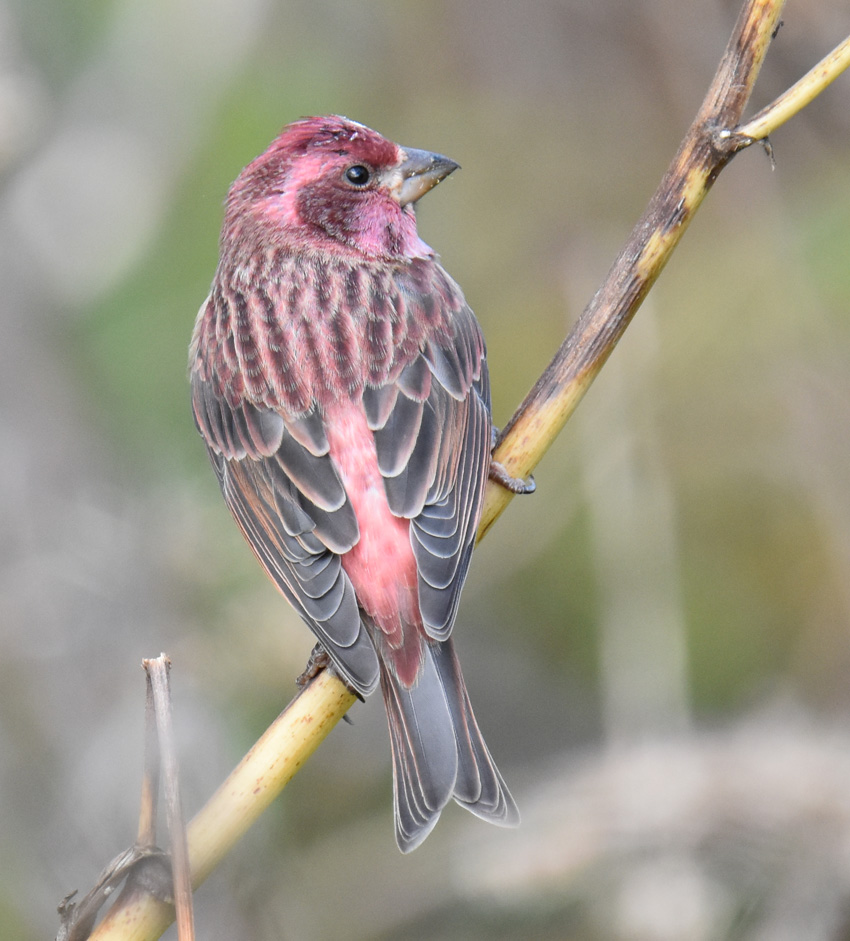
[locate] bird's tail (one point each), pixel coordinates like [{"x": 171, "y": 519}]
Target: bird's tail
[{"x": 438, "y": 750}]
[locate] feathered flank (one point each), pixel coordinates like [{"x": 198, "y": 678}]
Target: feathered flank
[{"x": 339, "y": 380}]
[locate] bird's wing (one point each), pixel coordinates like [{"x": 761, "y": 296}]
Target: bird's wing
[
  {"x": 283, "y": 490},
  {"x": 432, "y": 436}
]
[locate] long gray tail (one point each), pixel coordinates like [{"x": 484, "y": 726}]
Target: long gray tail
[{"x": 438, "y": 751}]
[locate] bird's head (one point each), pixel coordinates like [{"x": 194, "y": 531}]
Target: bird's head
[{"x": 332, "y": 185}]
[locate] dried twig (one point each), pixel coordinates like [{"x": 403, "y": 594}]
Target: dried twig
[
  {"x": 144, "y": 868},
  {"x": 158, "y": 671}
]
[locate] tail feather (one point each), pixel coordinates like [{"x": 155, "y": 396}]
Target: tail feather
[
  {"x": 438, "y": 750},
  {"x": 480, "y": 787}
]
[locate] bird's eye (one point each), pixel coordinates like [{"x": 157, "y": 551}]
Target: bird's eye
[{"x": 358, "y": 175}]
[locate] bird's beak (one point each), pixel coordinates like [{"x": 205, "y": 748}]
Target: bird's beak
[{"x": 420, "y": 172}]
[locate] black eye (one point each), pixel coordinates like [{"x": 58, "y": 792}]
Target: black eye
[{"x": 358, "y": 175}]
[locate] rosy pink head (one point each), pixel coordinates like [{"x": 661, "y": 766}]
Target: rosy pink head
[{"x": 332, "y": 185}]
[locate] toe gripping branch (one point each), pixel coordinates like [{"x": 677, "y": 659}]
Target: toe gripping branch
[
  {"x": 498, "y": 473},
  {"x": 514, "y": 484},
  {"x": 320, "y": 660}
]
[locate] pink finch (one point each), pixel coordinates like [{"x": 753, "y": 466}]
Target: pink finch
[{"x": 339, "y": 379}]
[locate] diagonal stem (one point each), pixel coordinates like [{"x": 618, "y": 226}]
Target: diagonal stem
[
  {"x": 798, "y": 96},
  {"x": 702, "y": 155}
]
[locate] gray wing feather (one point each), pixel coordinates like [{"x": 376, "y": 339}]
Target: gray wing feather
[
  {"x": 415, "y": 379},
  {"x": 445, "y": 365},
  {"x": 234, "y": 432},
  {"x": 315, "y": 477},
  {"x": 308, "y": 431},
  {"x": 306, "y": 572},
  {"x": 395, "y": 442},
  {"x": 432, "y": 433},
  {"x": 407, "y": 491},
  {"x": 291, "y": 506},
  {"x": 378, "y": 403}
]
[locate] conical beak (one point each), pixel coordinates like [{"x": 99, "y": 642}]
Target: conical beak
[{"x": 420, "y": 172}]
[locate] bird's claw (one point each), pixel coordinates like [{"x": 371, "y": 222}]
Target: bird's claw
[
  {"x": 320, "y": 660},
  {"x": 516, "y": 485}
]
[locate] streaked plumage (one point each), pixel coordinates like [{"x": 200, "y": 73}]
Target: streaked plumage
[{"x": 339, "y": 380}]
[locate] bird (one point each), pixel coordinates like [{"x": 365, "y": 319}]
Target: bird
[{"x": 339, "y": 381}]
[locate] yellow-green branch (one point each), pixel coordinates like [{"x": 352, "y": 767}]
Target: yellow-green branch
[{"x": 798, "y": 96}]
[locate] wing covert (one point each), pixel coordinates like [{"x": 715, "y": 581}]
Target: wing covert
[{"x": 432, "y": 430}]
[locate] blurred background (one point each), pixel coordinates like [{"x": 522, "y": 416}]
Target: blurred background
[{"x": 657, "y": 643}]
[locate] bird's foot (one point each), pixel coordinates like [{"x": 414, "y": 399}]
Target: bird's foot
[
  {"x": 514, "y": 484},
  {"x": 320, "y": 660}
]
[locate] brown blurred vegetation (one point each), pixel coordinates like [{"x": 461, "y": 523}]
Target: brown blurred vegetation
[{"x": 656, "y": 642}]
